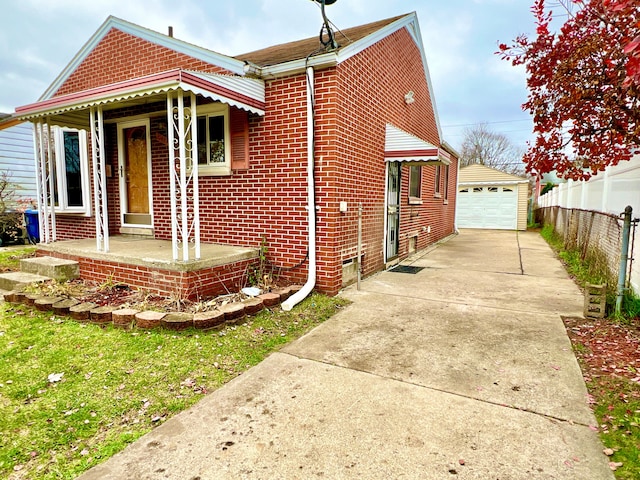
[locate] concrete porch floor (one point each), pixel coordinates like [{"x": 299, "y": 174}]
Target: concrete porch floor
[{"x": 151, "y": 253}]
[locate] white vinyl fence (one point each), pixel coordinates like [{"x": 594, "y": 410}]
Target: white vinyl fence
[{"x": 609, "y": 193}]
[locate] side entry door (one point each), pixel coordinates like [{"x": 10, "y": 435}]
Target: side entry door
[{"x": 393, "y": 209}]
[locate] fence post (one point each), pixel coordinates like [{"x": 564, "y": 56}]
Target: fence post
[{"x": 624, "y": 255}]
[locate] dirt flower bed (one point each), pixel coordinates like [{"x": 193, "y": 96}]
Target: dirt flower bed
[
  {"x": 123, "y": 296},
  {"x": 609, "y": 355}
]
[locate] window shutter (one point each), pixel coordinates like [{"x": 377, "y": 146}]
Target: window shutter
[{"x": 239, "y": 123}]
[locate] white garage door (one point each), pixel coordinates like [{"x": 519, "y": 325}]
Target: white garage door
[{"x": 494, "y": 207}]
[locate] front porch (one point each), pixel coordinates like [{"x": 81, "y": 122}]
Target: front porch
[{"x": 148, "y": 264}]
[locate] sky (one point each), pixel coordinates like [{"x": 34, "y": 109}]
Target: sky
[{"x": 471, "y": 84}]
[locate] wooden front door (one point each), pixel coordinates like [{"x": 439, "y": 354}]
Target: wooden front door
[{"x": 135, "y": 178}]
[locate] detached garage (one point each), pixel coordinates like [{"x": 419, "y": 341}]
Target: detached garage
[{"x": 491, "y": 199}]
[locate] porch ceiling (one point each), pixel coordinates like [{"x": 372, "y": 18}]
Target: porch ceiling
[
  {"x": 71, "y": 110},
  {"x": 151, "y": 253}
]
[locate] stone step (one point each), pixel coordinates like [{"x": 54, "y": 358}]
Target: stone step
[
  {"x": 56, "y": 268},
  {"x": 13, "y": 280},
  {"x": 3, "y": 293}
]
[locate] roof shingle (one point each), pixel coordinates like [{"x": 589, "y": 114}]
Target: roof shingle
[{"x": 299, "y": 49}]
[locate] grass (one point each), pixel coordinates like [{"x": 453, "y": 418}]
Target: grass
[
  {"x": 73, "y": 394},
  {"x": 10, "y": 258},
  {"x": 584, "y": 267},
  {"x": 608, "y": 354},
  {"x": 617, "y": 408}
]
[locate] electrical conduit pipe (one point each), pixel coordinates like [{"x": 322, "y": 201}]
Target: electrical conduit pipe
[{"x": 296, "y": 298}]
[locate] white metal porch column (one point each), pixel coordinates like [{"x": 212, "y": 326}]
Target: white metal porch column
[
  {"x": 99, "y": 179},
  {"x": 183, "y": 173},
  {"x": 43, "y": 146}
]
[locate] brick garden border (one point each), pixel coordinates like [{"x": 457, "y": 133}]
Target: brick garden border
[{"x": 127, "y": 318}]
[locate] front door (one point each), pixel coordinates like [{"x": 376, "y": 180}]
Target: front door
[
  {"x": 135, "y": 174},
  {"x": 393, "y": 209}
]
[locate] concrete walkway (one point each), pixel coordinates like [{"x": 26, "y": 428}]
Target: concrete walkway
[{"x": 460, "y": 371}]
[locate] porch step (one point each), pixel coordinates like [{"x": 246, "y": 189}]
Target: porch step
[
  {"x": 12, "y": 280},
  {"x": 56, "y": 268}
]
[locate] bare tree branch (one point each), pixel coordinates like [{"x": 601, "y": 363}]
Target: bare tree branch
[{"x": 485, "y": 147}]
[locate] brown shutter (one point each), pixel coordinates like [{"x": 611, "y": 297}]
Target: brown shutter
[{"x": 239, "y": 123}]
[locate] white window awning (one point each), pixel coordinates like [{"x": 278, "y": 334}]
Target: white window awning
[
  {"x": 400, "y": 146},
  {"x": 70, "y": 110}
]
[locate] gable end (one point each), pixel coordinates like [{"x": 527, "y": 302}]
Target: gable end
[{"x": 178, "y": 47}]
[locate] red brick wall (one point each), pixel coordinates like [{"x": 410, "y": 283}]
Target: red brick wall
[
  {"x": 120, "y": 56},
  {"x": 354, "y": 101},
  {"x": 372, "y": 86},
  {"x": 194, "y": 285}
]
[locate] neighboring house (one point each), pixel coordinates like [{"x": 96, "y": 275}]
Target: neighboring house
[
  {"x": 549, "y": 178},
  {"x": 16, "y": 156},
  {"x": 165, "y": 140},
  {"x": 491, "y": 199}
]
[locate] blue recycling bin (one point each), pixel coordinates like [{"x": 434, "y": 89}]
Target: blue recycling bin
[{"x": 31, "y": 222}]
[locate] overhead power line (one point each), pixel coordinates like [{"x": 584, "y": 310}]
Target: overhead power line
[{"x": 485, "y": 123}]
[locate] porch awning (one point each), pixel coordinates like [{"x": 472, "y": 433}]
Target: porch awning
[
  {"x": 400, "y": 146},
  {"x": 70, "y": 110}
]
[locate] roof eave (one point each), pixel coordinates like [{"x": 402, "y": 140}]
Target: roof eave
[{"x": 325, "y": 60}]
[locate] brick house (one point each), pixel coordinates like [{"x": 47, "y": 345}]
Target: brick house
[{"x": 358, "y": 123}]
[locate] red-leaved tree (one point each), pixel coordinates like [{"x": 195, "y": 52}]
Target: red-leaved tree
[
  {"x": 629, "y": 8},
  {"x": 583, "y": 86}
]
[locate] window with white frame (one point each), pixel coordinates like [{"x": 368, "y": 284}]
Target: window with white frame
[
  {"x": 214, "y": 143},
  {"x": 415, "y": 183},
  {"x": 446, "y": 182},
  {"x": 71, "y": 171},
  {"x": 437, "y": 180}
]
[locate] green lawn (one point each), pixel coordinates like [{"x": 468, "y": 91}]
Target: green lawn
[
  {"x": 10, "y": 257},
  {"x": 73, "y": 394}
]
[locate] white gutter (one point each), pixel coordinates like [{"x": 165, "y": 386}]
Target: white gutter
[
  {"x": 296, "y": 298},
  {"x": 297, "y": 66}
]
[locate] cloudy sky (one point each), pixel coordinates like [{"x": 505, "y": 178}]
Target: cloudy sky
[{"x": 472, "y": 85}]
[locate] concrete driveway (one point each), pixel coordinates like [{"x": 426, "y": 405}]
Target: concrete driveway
[{"x": 462, "y": 370}]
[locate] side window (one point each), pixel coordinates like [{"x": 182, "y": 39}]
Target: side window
[
  {"x": 415, "y": 182},
  {"x": 71, "y": 171},
  {"x": 446, "y": 182},
  {"x": 437, "y": 180}
]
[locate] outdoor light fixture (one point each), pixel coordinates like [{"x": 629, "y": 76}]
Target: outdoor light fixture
[{"x": 408, "y": 98}]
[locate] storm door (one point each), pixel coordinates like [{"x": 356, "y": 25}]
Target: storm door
[
  {"x": 135, "y": 174},
  {"x": 393, "y": 209}
]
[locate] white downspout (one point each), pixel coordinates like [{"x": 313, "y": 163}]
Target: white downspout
[{"x": 296, "y": 298}]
